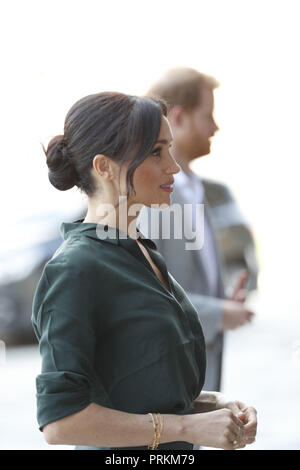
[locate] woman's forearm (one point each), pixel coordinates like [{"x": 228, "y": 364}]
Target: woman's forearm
[
  {"x": 98, "y": 426},
  {"x": 207, "y": 401}
]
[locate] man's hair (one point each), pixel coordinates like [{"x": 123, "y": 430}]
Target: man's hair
[{"x": 182, "y": 86}]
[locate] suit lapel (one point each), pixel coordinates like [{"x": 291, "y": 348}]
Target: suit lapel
[
  {"x": 209, "y": 221},
  {"x": 194, "y": 256}
]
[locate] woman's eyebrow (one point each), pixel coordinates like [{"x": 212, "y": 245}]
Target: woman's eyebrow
[{"x": 164, "y": 141}]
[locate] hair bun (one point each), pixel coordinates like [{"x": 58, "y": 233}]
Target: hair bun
[{"x": 62, "y": 173}]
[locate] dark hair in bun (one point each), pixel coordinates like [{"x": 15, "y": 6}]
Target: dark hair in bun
[
  {"x": 62, "y": 173},
  {"x": 122, "y": 127}
]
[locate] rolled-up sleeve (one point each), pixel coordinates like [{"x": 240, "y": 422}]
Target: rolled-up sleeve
[{"x": 63, "y": 320}]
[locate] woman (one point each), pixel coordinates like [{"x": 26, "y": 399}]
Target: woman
[{"x": 123, "y": 355}]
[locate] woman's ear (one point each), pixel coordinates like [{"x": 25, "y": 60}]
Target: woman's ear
[{"x": 103, "y": 166}]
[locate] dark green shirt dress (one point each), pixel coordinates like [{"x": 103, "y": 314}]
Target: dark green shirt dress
[{"x": 111, "y": 333}]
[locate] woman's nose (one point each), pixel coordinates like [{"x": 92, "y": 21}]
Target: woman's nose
[
  {"x": 177, "y": 168},
  {"x": 174, "y": 167}
]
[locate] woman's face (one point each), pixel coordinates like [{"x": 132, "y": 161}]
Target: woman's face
[{"x": 156, "y": 170}]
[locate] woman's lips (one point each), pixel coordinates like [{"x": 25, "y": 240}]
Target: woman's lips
[{"x": 168, "y": 188}]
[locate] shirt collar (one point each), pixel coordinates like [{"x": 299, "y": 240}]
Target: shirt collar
[
  {"x": 191, "y": 183},
  {"x": 101, "y": 232},
  {"x": 183, "y": 178}
]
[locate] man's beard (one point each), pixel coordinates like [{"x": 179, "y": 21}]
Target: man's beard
[{"x": 201, "y": 149}]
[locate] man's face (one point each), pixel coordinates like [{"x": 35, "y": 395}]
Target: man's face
[{"x": 197, "y": 128}]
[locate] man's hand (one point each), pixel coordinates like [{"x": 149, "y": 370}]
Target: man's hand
[
  {"x": 240, "y": 293},
  {"x": 235, "y": 313}
]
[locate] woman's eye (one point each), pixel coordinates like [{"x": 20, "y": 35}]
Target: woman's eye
[{"x": 156, "y": 152}]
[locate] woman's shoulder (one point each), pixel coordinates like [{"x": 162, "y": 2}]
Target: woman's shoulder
[
  {"x": 74, "y": 258},
  {"x": 69, "y": 273},
  {"x": 68, "y": 287}
]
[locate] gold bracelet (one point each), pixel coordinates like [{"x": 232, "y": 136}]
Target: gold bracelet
[
  {"x": 160, "y": 427},
  {"x": 157, "y": 421},
  {"x": 156, "y": 430},
  {"x": 153, "y": 422}
]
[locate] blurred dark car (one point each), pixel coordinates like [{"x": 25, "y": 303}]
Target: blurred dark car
[{"x": 29, "y": 244}]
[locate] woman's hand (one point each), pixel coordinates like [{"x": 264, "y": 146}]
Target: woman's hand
[
  {"x": 219, "y": 429},
  {"x": 212, "y": 401},
  {"x": 247, "y": 414}
]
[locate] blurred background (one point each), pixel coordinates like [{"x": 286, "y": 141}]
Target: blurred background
[{"x": 55, "y": 52}]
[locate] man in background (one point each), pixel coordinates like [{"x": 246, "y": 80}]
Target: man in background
[{"x": 214, "y": 283}]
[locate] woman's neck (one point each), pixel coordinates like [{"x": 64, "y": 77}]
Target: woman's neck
[{"x": 100, "y": 212}]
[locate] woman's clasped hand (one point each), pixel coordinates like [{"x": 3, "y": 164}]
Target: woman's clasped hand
[{"x": 231, "y": 425}]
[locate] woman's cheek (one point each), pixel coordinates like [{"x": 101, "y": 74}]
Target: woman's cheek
[{"x": 147, "y": 179}]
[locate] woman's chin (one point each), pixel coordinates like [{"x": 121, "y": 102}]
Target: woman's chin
[{"x": 161, "y": 205}]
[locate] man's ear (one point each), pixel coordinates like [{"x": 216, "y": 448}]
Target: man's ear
[{"x": 175, "y": 115}]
